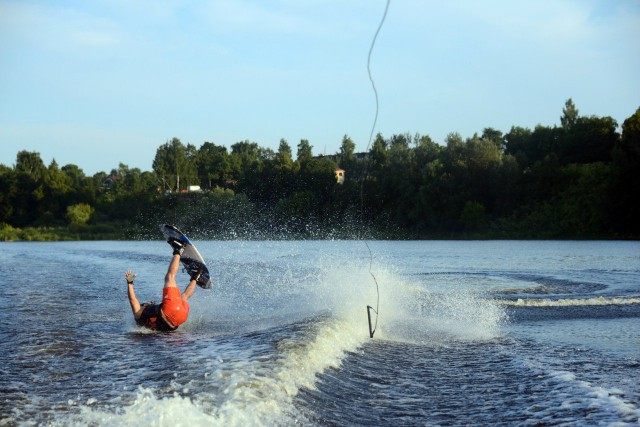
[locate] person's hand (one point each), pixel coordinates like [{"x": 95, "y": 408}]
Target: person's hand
[{"x": 130, "y": 277}]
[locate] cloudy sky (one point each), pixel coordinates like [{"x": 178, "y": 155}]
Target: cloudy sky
[{"x": 96, "y": 83}]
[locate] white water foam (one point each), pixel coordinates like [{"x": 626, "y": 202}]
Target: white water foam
[
  {"x": 252, "y": 392},
  {"x": 565, "y": 302},
  {"x": 568, "y": 396},
  {"x": 422, "y": 317},
  {"x": 408, "y": 311},
  {"x": 260, "y": 390},
  {"x": 254, "y": 387}
]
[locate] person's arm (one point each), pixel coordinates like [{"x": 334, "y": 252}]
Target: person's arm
[
  {"x": 189, "y": 290},
  {"x": 135, "y": 304}
]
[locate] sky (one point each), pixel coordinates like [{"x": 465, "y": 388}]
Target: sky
[{"x": 105, "y": 82}]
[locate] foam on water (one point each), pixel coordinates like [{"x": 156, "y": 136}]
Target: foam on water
[
  {"x": 270, "y": 397},
  {"x": 410, "y": 311},
  {"x": 254, "y": 391},
  {"x": 566, "y": 302},
  {"x": 259, "y": 388},
  {"x": 571, "y": 401},
  {"x": 262, "y": 346}
]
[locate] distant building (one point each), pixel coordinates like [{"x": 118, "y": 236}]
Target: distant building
[
  {"x": 193, "y": 188},
  {"x": 340, "y": 176},
  {"x": 110, "y": 181}
]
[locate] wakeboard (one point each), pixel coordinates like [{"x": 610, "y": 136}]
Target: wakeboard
[{"x": 191, "y": 259}]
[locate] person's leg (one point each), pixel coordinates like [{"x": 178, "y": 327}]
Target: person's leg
[
  {"x": 175, "y": 309},
  {"x": 172, "y": 272}
]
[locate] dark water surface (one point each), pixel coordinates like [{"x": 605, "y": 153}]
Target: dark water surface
[{"x": 469, "y": 333}]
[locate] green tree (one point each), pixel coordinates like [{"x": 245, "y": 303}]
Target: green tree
[
  {"x": 24, "y": 196},
  {"x": 398, "y": 183},
  {"x": 76, "y": 176},
  {"x": 191, "y": 169},
  {"x": 576, "y": 207},
  {"x": 371, "y": 202},
  {"x": 544, "y": 141},
  {"x": 426, "y": 150},
  {"x": 283, "y": 159},
  {"x": 495, "y": 136},
  {"x": 417, "y": 210},
  {"x": 214, "y": 165},
  {"x": 54, "y": 191},
  {"x": 295, "y": 213},
  {"x": 517, "y": 142},
  {"x": 319, "y": 177},
  {"x": 244, "y": 155},
  {"x": 8, "y": 190},
  {"x": 624, "y": 194},
  {"x": 134, "y": 182},
  {"x": 473, "y": 217},
  {"x": 426, "y": 213},
  {"x": 83, "y": 188},
  {"x": 399, "y": 142},
  {"x": 304, "y": 153},
  {"x": 589, "y": 140},
  {"x": 454, "y": 153},
  {"x": 79, "y": 214},
  {"x": 31, "y": 164},
  {"x": 378, "y": 154},
  {"x": 172, "y": 161},
  {"x": 570, "y": 115},
  {"x": 347, "y": 149},
  {"x": 483, "y": 173}
]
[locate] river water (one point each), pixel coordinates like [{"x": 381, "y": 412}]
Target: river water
[{"x": 468, "y": 333}]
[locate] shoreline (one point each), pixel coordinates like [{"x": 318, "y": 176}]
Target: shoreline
[{"x": 120, "y": 232}]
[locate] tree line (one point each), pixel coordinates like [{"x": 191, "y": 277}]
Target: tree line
[{"x": 576, "y": 180}]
